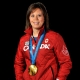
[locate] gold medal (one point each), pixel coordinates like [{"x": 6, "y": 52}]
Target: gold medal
[{"x": 33, "y": 70}]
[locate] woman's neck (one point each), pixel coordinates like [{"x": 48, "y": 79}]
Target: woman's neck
[{"x": 35, "y": 32}]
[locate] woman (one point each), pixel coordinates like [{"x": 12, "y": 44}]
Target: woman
[{"x": 42, "y": 53}]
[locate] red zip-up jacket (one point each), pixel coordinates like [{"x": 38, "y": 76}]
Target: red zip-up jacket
[{"x": 53, "y": 59}]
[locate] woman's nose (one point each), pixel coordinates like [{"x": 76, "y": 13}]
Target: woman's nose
[{"x": 36, "y": 17}]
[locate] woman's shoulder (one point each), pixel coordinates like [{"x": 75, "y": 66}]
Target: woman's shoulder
[
  {"x": 52, "y": 32},
  {"x": 54, "y": 36}
]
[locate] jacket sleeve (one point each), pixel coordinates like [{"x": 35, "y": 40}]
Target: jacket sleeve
[
  {"x": 19, "y": 63},
  {"x": 63, "y": 56}
]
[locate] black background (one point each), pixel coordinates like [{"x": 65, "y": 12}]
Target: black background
[{"x": 63, "y": 18}]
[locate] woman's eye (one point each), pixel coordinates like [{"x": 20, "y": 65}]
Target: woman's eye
[
  {"x": 39, "y": 15},
  {"x": 32, "y": 15}
]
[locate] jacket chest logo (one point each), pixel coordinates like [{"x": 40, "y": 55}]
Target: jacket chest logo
[{"x": 43, "y": 46}]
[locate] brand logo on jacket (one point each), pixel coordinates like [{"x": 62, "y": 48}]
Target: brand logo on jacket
[
  {"x": 27, "y": 43},
  {"x": 43, "y": 46},
  {"x": 46, "y": 40},
  {"x": 26, "y": 46},
  {"x": 65, "y": 51}
]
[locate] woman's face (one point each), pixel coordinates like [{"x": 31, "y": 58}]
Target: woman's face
[{"x": 36, "y": 18}]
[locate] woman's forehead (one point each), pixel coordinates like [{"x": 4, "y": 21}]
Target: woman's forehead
[{"x": 36, "y": 10}]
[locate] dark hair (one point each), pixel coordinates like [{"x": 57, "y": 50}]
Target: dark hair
[{"x": 45, "y": 14}]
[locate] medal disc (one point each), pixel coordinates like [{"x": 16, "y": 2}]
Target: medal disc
[{"x": 32, "y": 70}]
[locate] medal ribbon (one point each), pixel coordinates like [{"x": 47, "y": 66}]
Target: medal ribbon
[{"x": 33, "y": 55}]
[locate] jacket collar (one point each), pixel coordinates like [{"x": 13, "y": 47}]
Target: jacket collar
[{"x": 30, "y": 31}]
